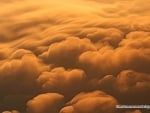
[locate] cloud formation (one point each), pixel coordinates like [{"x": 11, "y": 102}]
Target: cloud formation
[
  {"x": 97, "y": 101},
  {"x": 67, "y": 82},
  {"x": 83, "y": 56},
  {"x": 45, "y": 103}
]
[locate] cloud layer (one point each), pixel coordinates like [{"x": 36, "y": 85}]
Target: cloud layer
[{"x": 83, "y": 56}]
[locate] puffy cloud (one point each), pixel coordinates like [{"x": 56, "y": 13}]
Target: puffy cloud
[
  {"x": 69, "y": 50},
  {"x": 137, "y": 40},
  {"x": 103, "y": 36},
  {"x": 45, "y": 103},
  {"x": 133, "y": 83},
  {"x": 131, "y": 54},
  {"x": 18, "y": 79},
  {"x": 69, "y": 47},
  {"x": 112, "y": 36},
  {"x": 22, "y": 71},
  {"x": 129, "y": 87},
  {"x": 67, "y": 82},
  {"x": 94, "y": 102}
]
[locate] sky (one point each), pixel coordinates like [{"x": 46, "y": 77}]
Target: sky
[{"x": 74, "y": 56}]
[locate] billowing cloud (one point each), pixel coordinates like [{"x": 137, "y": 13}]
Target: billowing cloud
[
  {"x": 91, "y": 102},
  {"x": 67, "y": 82},
  {"x": 82, "y": 56},
  {"x": 45, "y": 103},
  {"x": 69, "y": 50},
  {"x": 125, "y": 85},
  {"x": 18, "y": 79},
  {"x": 21, "y": 71},
  {"x": 130, "y": 54}
]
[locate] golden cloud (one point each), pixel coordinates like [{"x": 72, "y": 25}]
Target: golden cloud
[{"x": 67, "y": 56}]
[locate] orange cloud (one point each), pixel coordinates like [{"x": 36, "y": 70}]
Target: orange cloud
[
  {"x": 53, "y": 51},
  {"x": 91, "y": 102},
  {"x": 45, "y": 103},
  {"x": 67, "y": 82}
]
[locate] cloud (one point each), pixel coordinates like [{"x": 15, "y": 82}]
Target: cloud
[
  {"x": 19, "y": 71},
  {"x": 69, "y": 50},
  {"x": 45, "y": 103},
  {"x": 129, "y": 87},
  {"x": 68, "y": 82},
  {"x": 5, "y": 53},
  {"x": 136, "y": 111},
  {"x": 110, "y": 36},
  {"x": 65, "y": 54},
  {"x": 18, "y": 79},
  {"x": 13, "y": 111},
  {"x": 91, "y": 102},
  {"x": 125, "y": 56}
]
